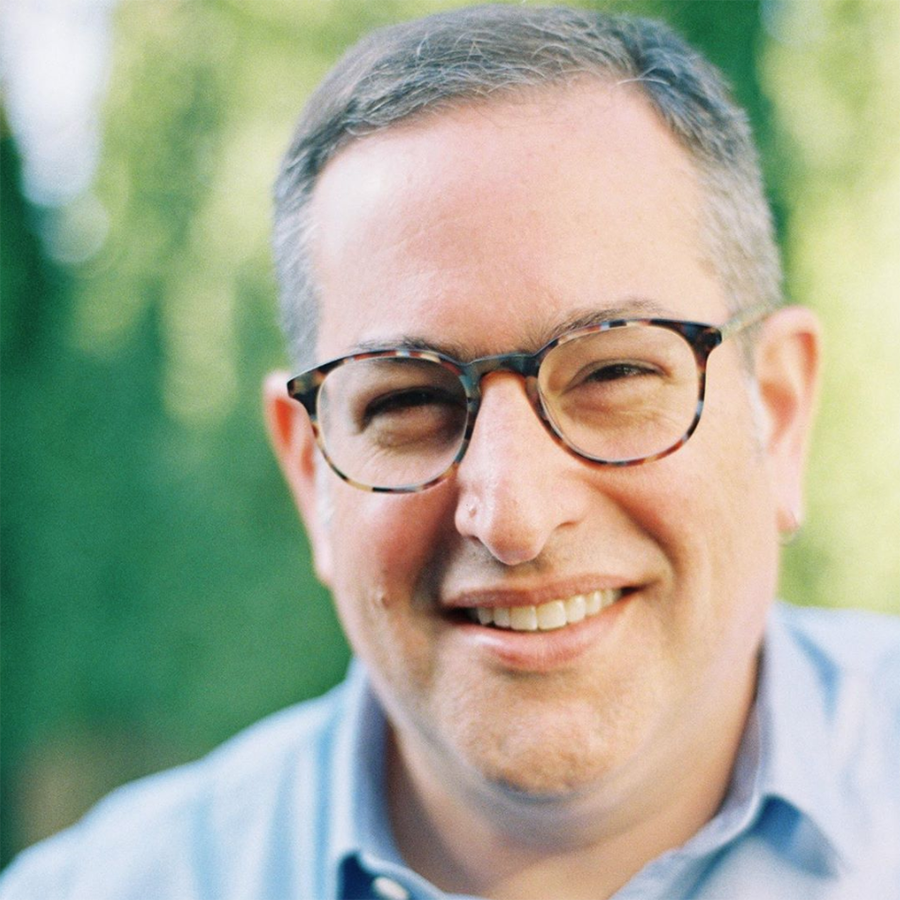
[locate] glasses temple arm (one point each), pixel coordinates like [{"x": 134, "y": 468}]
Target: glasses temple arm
[{"x": 745, "y": 319}]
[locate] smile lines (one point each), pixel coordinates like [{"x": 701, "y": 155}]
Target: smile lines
[{"x": 547, "y": 616}]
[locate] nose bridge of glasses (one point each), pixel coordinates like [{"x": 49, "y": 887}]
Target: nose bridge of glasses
[{"x": 522, "y": 364}]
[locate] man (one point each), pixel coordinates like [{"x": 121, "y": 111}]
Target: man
[{"x": 521, "y": 252}]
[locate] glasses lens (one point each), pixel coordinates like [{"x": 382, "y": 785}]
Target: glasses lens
[
  {"x": 392, "y": 421},
  {"x": 622, "y": 394}
]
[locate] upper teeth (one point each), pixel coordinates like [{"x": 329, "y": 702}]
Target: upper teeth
[{"x": 547, "y": 616}]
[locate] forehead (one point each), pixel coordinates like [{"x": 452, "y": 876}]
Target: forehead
[{"x": 486, "y": 225}]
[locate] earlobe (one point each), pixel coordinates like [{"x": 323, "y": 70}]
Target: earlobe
[
  {"x": 294, "y": 444},
  {"x": 787, "y": 362}
]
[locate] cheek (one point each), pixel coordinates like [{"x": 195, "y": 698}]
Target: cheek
[
  {"x": 383, "y": 546},
  {"x": 709, "y": 508},
  {"x": 743, "y": 536}
]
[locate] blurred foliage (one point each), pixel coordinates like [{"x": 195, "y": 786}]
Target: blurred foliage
[
  {"x": 157, "y": 593},
  {"x": 32, "y": 293}
]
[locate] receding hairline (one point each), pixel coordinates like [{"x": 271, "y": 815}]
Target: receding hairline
[{"x": 510, "y": 96}]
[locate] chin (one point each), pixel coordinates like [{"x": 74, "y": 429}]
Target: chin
[
  {"x": 552, "y": 806},
  {"x": 546, "y": 789},
  {"x": 544, "y": 764}
]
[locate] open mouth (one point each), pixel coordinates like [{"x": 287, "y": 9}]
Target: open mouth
[{"x": 547, "y": 616}]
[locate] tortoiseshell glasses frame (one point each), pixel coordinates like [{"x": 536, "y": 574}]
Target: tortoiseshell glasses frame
[{"x": 702, "y": 339}]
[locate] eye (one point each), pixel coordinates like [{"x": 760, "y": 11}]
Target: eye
[
  {"x": 625, "y": 384},
  {"x": 412, "y": 420},
  {"x": 396, "y": 403},
  {"x": 615, "y": 371}
]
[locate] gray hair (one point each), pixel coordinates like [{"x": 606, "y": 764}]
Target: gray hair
[{"x": 489, "y": 52}]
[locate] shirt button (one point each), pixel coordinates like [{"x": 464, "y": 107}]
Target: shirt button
[{"x": 388, "y": 889}]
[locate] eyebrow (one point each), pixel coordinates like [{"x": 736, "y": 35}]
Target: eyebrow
[
  {"x": 633, "y": 308},
  {"x": 584, "y": 317}
]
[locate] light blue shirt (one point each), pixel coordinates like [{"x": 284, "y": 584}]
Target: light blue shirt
[{"x": 295, "y": 806}]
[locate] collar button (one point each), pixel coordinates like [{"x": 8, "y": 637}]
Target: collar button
[{"x": 388, "y": 889}]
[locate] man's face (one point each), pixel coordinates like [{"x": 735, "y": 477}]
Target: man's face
[{"x": 481, "y": 231}]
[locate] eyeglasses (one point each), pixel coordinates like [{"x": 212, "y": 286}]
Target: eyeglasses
[{"x": 620, "y": 393}]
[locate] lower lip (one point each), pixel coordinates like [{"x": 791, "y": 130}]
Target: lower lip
[{"x": 543, "y": 651}]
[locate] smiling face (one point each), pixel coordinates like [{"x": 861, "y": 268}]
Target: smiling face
[{"x": 485, "y": 230}]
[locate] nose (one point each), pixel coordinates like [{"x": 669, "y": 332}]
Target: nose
[{"x": 515, "y": 484}]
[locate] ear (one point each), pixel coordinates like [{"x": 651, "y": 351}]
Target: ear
[
  {"x": 294, "y": 442},
  {"x": 787, "y": 360}
]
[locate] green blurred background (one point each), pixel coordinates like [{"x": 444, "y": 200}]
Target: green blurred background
[{"x": 156, "y": 587}]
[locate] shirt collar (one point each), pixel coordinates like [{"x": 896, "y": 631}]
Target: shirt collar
[
  {"x": 798, "y": 763},
  {"x": 361, "y": 843},
  {"x": 359, "y": 813}
]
